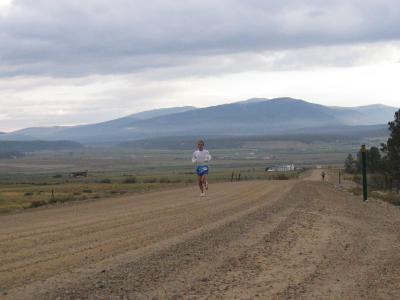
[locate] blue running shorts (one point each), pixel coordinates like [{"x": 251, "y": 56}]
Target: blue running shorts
[{"x": 202, "y": 170}]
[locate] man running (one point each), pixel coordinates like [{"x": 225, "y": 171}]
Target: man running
[{"x": 200, "y": 157}]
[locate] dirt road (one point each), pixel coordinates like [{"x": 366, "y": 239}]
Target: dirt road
[{"x": 299, "y": 239}]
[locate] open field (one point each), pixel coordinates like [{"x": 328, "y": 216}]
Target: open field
[
  {"x": 250, "y": 154},
  {"x": 41, "y": 178},
  {"x": 257, "y": 239},
  {"x": 19, "y": 191}
]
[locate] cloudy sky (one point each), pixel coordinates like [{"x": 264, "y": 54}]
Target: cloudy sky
[{"x": 69, "y": 61}]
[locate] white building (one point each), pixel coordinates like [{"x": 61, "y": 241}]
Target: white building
[{"x": 281, "y": 168}]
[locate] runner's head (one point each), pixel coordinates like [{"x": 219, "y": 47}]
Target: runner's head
[{"x": 200, "y": 145}]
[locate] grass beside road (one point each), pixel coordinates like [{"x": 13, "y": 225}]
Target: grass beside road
[
  {"x": 377, "y": 188},
  {"x": 20, "y": 191},
  {"x": 387, "y": 196}
]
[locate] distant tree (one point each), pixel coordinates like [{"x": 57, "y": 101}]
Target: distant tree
[
  {"x": 386, "y": 166},
  {"x": 375, "y": 163},
  {"x": 392, "y": 147},
  {"x": 374, "y": 160},
  {"x": 350, "y": 164},
  {"x": 358, "y": 163}
]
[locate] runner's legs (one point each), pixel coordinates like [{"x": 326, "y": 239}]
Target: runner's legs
[
  {"x": 205, "y": 182},
  {"x": 200, "y": 183}
]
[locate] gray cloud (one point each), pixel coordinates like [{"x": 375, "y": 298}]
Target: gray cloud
[
  {"x": 72, "y": 61},
  {"x": 71, "y": 38}
]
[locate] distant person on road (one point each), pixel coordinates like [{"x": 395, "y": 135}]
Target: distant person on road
[
  {"x": 323, "y": 175},
  {"x": 200, "y": 157}
]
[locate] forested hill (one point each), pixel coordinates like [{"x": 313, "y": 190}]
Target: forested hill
[{"x": 33, "y": 146}]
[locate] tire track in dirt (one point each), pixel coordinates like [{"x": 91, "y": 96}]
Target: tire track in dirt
[
  {"x": 184, "y": 213},
  {"x": 280, "y": 239}
]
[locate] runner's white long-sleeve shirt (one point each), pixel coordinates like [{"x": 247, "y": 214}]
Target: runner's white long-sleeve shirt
[{"x": 201, "y": 156}]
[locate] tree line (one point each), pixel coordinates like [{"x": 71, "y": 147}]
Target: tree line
[
  {"x": 33, "y": 146},
  {"x": 383, "y": 160}
]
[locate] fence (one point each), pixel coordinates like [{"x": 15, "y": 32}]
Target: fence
[{"x": 380, "y": 182}]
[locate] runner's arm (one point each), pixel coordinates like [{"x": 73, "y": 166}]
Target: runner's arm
[
  {"x": 194, "y": 157},
  {"x": 208, "y": 156}
]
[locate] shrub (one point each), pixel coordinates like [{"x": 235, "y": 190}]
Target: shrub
[
  {"x": 105, "y": 180},
  {"x": 57, "y": 176},
  {"x": 130, "y": 180},
  {"x": 37, "y": 203},
  {"x": 165, "y": 180},
  {"x": 28, "y": 194},
  {"x": 53, "y": 200},
  {"x": 281, "y": 177},
  {"x": 87, "y": 191},
  {"x": 388, "y": 197},
  {"x": 150, "y": 180},
  {"x": 357, "y": 178},
  {"x": 62, "y": 199}
]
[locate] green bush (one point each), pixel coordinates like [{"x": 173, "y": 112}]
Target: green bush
[
  {"x": 281, "y": 177},
  {"x": 150, "y": 180},
  {"x": 28, "y": 194},
  {"x": 88, "y": 191},
  {"x": 105, "y": 180},
  {"x": 130, "y": 180},
  {"x": 63, "y": 198},
  {"x": 165, "y": 180},
  {"x": 37, "y": 203},
  {"x": 390, "y": 197},
  {"x": 176, "y": 180}
]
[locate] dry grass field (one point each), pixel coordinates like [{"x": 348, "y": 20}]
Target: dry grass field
[{"x": 39, "y": 179}]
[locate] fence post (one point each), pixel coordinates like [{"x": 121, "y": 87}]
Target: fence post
[
  {"x": 233, "y": 173},
  {"x": 340, "y": 175},
  {"x": 364, "y": 171}
]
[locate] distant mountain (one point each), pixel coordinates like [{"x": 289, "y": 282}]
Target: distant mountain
[
  {"x": 365, "y": 115},
  {"x": 255, "y": 116},
  {"x": 377, "y": 113},
  {"x": 91, "y": 131},
  {"x": 159, "y": 112},
  {"x": 344, "y": 134}
]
